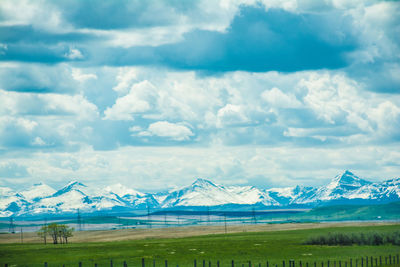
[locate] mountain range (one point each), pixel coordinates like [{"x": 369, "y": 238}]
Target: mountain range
[{"x": 40, "y": 199}]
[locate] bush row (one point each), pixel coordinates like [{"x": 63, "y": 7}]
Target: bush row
[{"x": 347, "y": 239}]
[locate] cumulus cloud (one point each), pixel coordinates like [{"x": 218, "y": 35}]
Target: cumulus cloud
[
  {"x": 251, "y": 83},
  {"x": 47, "y": 104},
  {"x": 173, "y": 131},
  {"x": 140, "y": 98},
  {"x": 276, "y": 98},
  {"x": 257, "y": 40}
]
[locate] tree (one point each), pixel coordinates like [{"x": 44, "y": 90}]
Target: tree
[
  {"x": 58, "y": 232},
  {"x": 43, "y": 233},
  {"x": 66, "y": 232}
]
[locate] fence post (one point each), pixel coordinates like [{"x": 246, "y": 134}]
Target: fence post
[
  {"x": 209, "y": 263},
  {"x": 397, "y": 258},
  {"x": 351, "y": 262},
  {"x": 194, "y": 263},
  {"x": 362, "y": 261},
  {"x": 380, "y": 260},
  {"x": 376, "y": 262},
  {"x": 385, "y": 260},
  {"x": 300, "y": 264},
  {"x": 95, "y": 265},
  {"x": 366, "y": 261},
  {"x": 390, "y": 259},
  {"x": 233, "y": 263},
  {"x": 249, "y": 263},
  {"x": 340, "y": 263},
  {"x": 283, "y": 263},
  {"x": 166, "y": 263},
  {"x": 142, "y": 262},
  {"x": 45, "y": 264},
  {"x": 111, "y": 263},
  {"x": 315, "y": 264},
  {"x": 267, "y": 264},
  {"x": 217, "y": 263},
  {"x": 204, "y": 263},
  {"x": 322, "y": 264},
  {"x": 356, "y": 262},
  {"x": 154, "y": 263},
  {"x": 327, "y": 263},
  {"x": 372, "y": 262},
  {"x": 80, "y": 264}
]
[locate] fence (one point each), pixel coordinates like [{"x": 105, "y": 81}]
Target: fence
[{"x": 370, "y": 261}]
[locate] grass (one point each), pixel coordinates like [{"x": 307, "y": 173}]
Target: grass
[{"x": 241, "y": 247}]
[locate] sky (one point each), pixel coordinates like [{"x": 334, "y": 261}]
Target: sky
[{"x": 154, "y": 94}]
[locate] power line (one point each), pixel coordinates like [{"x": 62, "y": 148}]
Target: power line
[
  {"x": 254, "y": 216},
  {"x": 11, "y": 227},
  {"x": 79, "y": 221}
]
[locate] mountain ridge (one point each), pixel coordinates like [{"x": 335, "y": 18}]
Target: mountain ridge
[{"x": 344, "y": 188}]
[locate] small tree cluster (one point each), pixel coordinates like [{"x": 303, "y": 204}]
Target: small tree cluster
[
  {"x": 58, "y": 232},
  {"x": 347, "y": 239}
]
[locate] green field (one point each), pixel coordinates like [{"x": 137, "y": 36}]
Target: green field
[{"x": 241, "y": 247}]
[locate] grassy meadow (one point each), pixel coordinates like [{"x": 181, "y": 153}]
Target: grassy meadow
[{"x": 257, "y": 247}]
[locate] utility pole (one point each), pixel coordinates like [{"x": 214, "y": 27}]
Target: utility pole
[
  {"x": 208, "y": 215},
  {"x": 225, "y": 222},
  {"x": 79, "y": 221},
  {"x": 254, "y": 216},
  {"x": 11, "y": 227},
  {"x": 148, "y": 215}
]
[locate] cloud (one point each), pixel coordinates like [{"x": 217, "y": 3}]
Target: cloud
[
  {"x": 231, "y": 115},
  {"x": 97, "y": 15},
  {"x": 22, "y": 77},
  {"x": 276, "y": 98},
  {"x": 173, "y": 131},
  {"x": 47, "y": 104},
  {"x": 140, "y": 99},
  {"x": 13, "y": 170},
  {"x": 257, "y": 40}
]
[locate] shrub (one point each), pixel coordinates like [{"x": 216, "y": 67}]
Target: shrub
[{"x": 347, "y": 239}]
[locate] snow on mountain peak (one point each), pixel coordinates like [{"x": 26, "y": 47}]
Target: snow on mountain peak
[
  {"x": 203, "y": 183},
  {"x": 38, "y": 190},
  {"x": 348, "y": 179},
  {"x": 41, "y": 198},
  {"x": 122, "y": 190},
  {"x": 73, "y": 185}
]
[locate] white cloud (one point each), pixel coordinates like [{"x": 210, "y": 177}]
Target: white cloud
[
  {"x": 140, "y": 98},
  {"x": 74, "y": 53},
  {"x": 22, "y": 123},
  {"x": 173, "y": 131},
  {"x": 276, "y": 98},
  {"x": 231, "y": 115},
  {"x": 126, "y": 76},
  {"x": 38, "y": 141},
  {"x": 78, "y": 75}
]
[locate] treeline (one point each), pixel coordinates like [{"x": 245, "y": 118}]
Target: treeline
[
  {"x": 347, "y": 239},
  {"x": 59, "y": 233}
]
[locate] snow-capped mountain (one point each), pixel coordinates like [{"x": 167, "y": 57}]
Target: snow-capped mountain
[
  {"x": 205, "y": 193},
  {"x": 37, "y": 191},
  {"x": 42, "y": 199}
]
